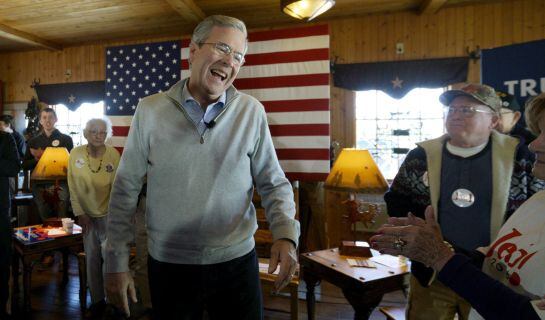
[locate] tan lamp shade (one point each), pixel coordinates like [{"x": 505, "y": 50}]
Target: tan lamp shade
[
  {"x": 53, "y": 165},
  {"x": 306, "y": 9},
  {"x": 356, "y": 171}
]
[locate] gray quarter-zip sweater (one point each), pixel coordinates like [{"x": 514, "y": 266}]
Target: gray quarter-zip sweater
[{"x": 199, "y": 194}]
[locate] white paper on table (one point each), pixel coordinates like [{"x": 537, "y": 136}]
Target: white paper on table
[
  {"x": 540, "y": 313},
  {"x": 365, "y": 263},
  {"x": 56, "y": 232},
  {"x": 388, "y": 260}
]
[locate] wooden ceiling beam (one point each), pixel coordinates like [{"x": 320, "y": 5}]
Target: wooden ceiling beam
[
  {"x": 188, "y": 10},
  {"x": 20, "y": 36},
  {"x": 430, "y": 6}
]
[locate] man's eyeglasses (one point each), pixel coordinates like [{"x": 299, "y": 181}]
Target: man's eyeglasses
[
  {"x": 226, "y": 50},
  {"x": 466, "y": 111}
]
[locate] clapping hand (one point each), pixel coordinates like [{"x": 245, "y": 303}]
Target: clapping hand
[{"x": 418, "y": 239}]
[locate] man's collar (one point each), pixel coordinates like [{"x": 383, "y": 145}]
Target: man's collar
[
  {"x": 53, "y": 133},
  {"x": 186, "y": 96}
]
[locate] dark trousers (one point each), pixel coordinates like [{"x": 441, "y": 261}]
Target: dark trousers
[
  {"x": 5, "y": 261},
  {"x": 227, "y": 290}
]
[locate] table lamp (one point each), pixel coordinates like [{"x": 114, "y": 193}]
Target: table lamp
[
  {"x": 355, "y": 171},
  {"x": 52, "y": 166}
]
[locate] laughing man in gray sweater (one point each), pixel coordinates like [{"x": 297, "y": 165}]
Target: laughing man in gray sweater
[{"x": 203, "y": 146}]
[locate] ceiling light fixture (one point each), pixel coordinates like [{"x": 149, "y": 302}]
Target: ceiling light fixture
[{"x": 306, "y": 9}]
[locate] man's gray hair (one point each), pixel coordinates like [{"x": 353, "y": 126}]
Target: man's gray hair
[
  {"x": 203, "y": 29},
  {"x": 93, "y": 122}
]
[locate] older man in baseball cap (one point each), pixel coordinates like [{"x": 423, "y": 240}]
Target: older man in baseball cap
[{"x": 473, "y": 176}]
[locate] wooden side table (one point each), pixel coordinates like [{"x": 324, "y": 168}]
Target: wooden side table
[
  {"x": 362, "y": 287},
  {"x": 30, "y": 254}
]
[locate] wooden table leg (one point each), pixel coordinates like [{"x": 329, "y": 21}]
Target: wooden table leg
[
  {"x": 64, "y": 266},
  {"x": 311, "y": 282},
  {"x": 28, "y": 264},
  {"x": 363, "y": 304}
]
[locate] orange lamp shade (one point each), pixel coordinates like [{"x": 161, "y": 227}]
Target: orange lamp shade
[
  {"x": 53, "y": 165},
  {"x": 356, "y": 171}
]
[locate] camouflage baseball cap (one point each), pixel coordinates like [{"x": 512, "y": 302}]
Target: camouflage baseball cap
[
  {"x": 508, "y": 101},
  {"x": 480, "y": 92}
]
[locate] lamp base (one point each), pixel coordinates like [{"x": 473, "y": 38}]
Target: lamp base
[{"x": 355, "y": 249}]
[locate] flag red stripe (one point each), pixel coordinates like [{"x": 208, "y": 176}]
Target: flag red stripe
[
  {"x": 302, "y": 154},
  {"x": 287, "y": 56},
  {"x": 186, "y": 42},
  {"x": 304, "y": 176},
  {"x": 120, "y": 131},
  {"x": 299, "y": 130},
  {"x": 280, "y": 57},
  {"x": 289, "y": 33},
  {"x": 321, "y": 79},
  {"x": 296, "y": 105}
]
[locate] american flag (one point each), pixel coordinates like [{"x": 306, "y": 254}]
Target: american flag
[{"x": 287, "y": 70}]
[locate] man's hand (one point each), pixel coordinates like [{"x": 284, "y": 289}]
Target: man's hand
[
  {"x": 283, "y": 252},
  {"x": 84, "y": 222},
  {"x": 36, "y": 153},
  {"x": 117, "y": 285}
]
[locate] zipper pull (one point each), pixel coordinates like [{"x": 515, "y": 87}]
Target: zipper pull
[{"x": 202, "y": 139}]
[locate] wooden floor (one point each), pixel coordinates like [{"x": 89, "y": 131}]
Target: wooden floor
[{"x": 52, "y": 301}]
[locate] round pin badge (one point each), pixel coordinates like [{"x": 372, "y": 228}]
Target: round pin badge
[
  {"x": 463, "y": 198},
  {"x": 426, "y": 179},
  {"x": 110, "y": 167},
  {"x": 55, "y": 143},
  {"x": 80, "y": 163}
]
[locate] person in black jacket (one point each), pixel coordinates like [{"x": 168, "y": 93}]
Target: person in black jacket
[
  {"x": 6, "y": 125},
  {"x": 49, "y": 137},
  {"x": 9, "y": 167}
]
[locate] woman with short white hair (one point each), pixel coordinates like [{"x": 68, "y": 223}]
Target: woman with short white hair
[{"x": 91, "y": 172}]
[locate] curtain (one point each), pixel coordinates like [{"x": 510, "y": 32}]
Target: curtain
[
  {"x": 72, "y": 95},
  {"x": 397, "y": 78}
]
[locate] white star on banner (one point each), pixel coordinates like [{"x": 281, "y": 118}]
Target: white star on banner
[{"x": 397, "y": 83}]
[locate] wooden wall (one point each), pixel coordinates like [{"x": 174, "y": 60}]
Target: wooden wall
[
  {"x": 363, "y": 39},
  {"x": 449, "y": 33}
]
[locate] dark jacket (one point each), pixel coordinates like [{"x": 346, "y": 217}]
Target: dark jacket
[
  {"x": 9, "y": 167},
  {"x": 20, "y": 143},
  {"x": 493, "y": 300},
  {"x": 41, "y": 141}
]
